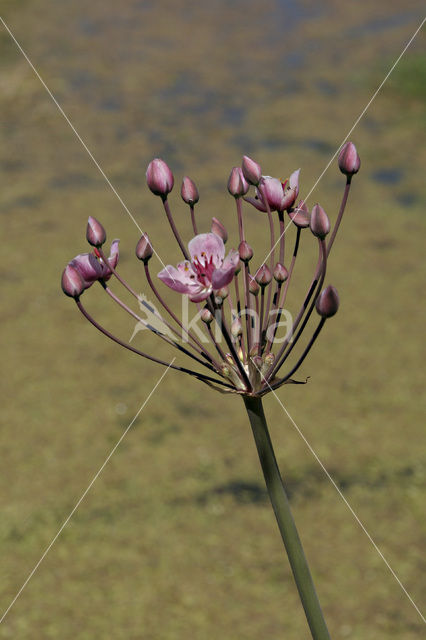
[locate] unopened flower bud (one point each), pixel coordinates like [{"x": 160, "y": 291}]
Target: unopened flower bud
[
  {"x": 218, "y": 228},
  {"x": 319, "y": 223},
  {"x": 269, "y": 359},
  {"x": 263, "y": 276},
  {"x": 245, "y": 251},
  {"x": 221, "y": 295},
  {"x": 144, "y": 248},
  {"x": 95, "y": 233},
  {"x": 257, "y": 361},
  {"x": 237, "y": 184},
  {"x": 280, "y": 273},
  {"x": 253, "y": 287},
  {"x": 236, "y": 328},
  {"x": 251, "y": 171},
  {"x": 349, "y": 162},
  {"x": 327, "y": 302},
  {"x": 254, "y": 350},
  {"x": 159, "y": 178},
  {"x": 72, "y": 283},
  {"x": 300, "y": 215},
  {"x": 206, "y": 316},
  {"x": 189, "y": 191},
  {"x": 226, "y": 371}
]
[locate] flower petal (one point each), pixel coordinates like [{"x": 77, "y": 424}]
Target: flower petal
[
  {"x": 179, "y": 280},
  {"x": 206, "y": 246},
  {"x": 89, "y": 268},
  {"x": 257, "y": 203},
  {"x": 223, "y": 276},
  {"x": 203, "y": 295},
  {"x": 293, "y": 181}
]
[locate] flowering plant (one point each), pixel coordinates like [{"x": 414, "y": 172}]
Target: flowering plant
[{"x": 245, "y": 316}]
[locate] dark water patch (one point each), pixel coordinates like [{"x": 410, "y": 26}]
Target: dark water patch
[
  {"x": 408, "y": 199},
  {"x": 383, "y": 243},
  {"x": 82, "y": 79},
  {"x": 376, "y": 25},
  {"x": 70, "y": 180},
  {"x": 310, "y": 483},
  {"x": 23, "y": 202},
  {"x": 388, "y": 175},
  {"x": 371, "y": 124},
  {"x": 112, "y": 103},
  {"x": 315, "y": 144},
  {"x": 88, "y": 27},
  {"x": 326, "y": 88}
]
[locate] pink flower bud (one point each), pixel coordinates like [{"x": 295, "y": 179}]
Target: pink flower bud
[
  {"x": 218, "y": 228},
  {"x": 327, "y": 302},
  {"x": 206, "y": 315},
  {"x": 221, "y": 294},
  {"x": 349, "y": 162},
  {"x": 245, "y": 251},
  {"x": 237, "y": 184},
  {"x": 253, "y": 288},
  {"x": 251, "y": 171},
  {"x": 189, "y": 191},
  {"x": 320, "y": 224},
  {"x": 95, "y": 233},
  {"x": 263, "y": 276},
  {"x": 236, "y": 328},
  {"x": 89, "y": 268},
  {"x": 144, "y": 248},
  {"x": 300, "y": 215},
  {"x": 72, "y": 282},
  {"x": 159, "y": 178},
  {"x": 271, "y": 190},
  {"x": 280, "y": 273}
]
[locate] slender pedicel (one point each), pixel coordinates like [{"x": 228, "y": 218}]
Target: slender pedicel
[
  {"x": 229, "y": 342},
  {"x": 109, "y": 335},
  {"x": 170, "y": 341},
  {"x": 319, "y": 273},
  {"x": 341, "y": 212},
  {"x": 308, "y": 313},
  {"x": 266, "y": 198},
  {"x": 174, "y": 228}
]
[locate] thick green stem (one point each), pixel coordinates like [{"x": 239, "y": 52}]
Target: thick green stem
[{"x": 285, "y": 520}]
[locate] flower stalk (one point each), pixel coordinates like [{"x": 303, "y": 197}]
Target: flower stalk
[{"x": 285, "y": 521}]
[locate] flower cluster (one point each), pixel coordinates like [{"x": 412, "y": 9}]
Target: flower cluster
[{"x": 239, "y": 308}]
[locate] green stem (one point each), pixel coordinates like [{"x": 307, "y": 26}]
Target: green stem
[{"x": 287, "y": 527}]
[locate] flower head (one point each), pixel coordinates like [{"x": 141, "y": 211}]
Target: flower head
[
  {"x": 277, "y": 195},
  {"x": 246, "y": 348},
  {"x": 208, "y": 269}
]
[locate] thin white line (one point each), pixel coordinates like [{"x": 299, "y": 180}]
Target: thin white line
[
  {"x": 95, "y": 477},
  {"x": 354, "y": 125},
  {"x": 347, "y": 503},
  {"x": 90, "y": 154}
]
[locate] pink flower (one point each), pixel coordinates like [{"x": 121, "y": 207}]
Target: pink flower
[
  {"x": 207, "y": 271},
  {"x": 92, "y": 269},
  {"x": 278, "y": 195}
]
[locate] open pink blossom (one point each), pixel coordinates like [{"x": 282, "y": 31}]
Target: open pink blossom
[
  {"x": 92, "y": 268},
  {"x": 278, "y": 195},
  {"x": 207, "y": 271}
]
